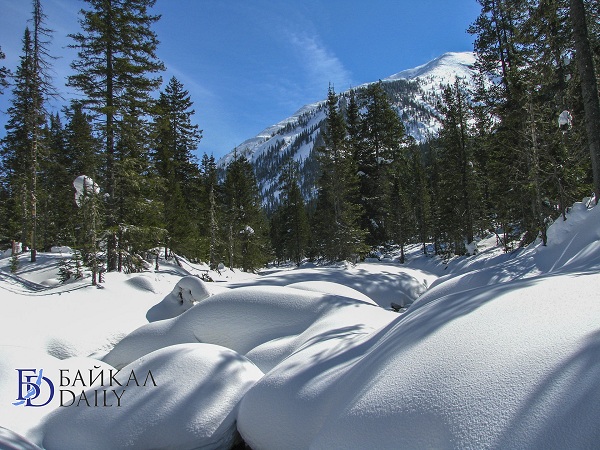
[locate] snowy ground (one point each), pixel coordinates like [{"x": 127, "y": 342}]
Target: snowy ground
[{"x": 497, "y": 351}]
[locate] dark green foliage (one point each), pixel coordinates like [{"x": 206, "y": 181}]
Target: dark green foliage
[
  {"x": 20, "y": 146},
  {"x": 245, "y": 229},
  {"x": 14, "y": 263},
  {"x": 176, "y": 137},
  {"x": 379, "y": 150},
  {"x": 289, "y": 223},
  {"x": 114, "y": 70},
  {"x": 336, "y": 229}
]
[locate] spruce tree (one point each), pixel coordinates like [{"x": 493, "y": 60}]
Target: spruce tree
[
  {"x": 56, "y": 189},
  {"x": 336, "y": 230},
  {"x": 382, "y": 139},
  {"x": 457, "y": 177},
  {"x": 19, "y": 147},
  {"x": 211, "y": 207},
  {"x": 246, "y": 228},
  {"x": 115, "y": 70},
  {"x": 176, "y": 138},
  {"x": 290, "y": 229}
]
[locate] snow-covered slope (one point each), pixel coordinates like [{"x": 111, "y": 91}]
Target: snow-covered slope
[{"x": 412, "y": 92}]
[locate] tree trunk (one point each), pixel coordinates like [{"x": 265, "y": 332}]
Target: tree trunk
[{"x": 589, "y": 87}]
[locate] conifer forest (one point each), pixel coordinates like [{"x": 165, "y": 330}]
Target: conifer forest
[{"x": 516, "y": 145}]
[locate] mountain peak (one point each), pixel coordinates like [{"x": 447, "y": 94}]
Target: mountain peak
[{"x": 451, "y": 63}]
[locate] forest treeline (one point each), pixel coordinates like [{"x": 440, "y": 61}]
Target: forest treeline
[{"x": 516, "y": 146}]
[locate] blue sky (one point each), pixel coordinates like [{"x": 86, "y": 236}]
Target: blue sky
[{"x": 250, "y": 63}]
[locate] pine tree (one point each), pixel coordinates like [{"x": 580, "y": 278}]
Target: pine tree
[
  {"x": 176, "y": 137},
  {"x": 19, "y": 149},
  {"x": 56, "y": 196},
  {"x": 420, "y": 194},
  {"x": 246, "y": 228},
  {"x": 114, "y": 70},
  {"x": 211, "y": 197},
  {"x": 41, "y": 89},
  {"x": 457, "y": 176},
  {"x": 290, "y": 230},
  {"x": 381, "y": 146},
  {"x": 82, "y": 148},
  {"x": 139, "y": 226},
  {"x": 336, "y": 228}
]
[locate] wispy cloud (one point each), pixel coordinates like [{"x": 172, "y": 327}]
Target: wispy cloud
[{"x": 321, "y": 65}]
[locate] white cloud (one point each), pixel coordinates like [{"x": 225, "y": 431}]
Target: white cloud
[{"x": 321, "y": 65}]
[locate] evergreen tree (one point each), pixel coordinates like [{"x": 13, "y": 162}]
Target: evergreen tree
[
  {"x": 420, "y": 194},
  {"x": 56, "y": 188},
  {"x": 381, "y": 146},
  {"x": 290, "y": 228},
  {"x": 458, "y": 183},
  {"x": 246, "y": 228},
  {"x": 114, "y": 70},
  {"x": 139, "y": 228},
  {"x": 211, "y": 207},
  {"x": 175, "y": 140},
  {"x": 82, "y": 148},
  {"x": 19, "y": 147},
  {"x": 336, "y": 230},
  {"x": 82, "y": 158}
]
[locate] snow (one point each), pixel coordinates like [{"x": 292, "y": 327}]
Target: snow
[
  {"x": 84, "y": 185},
  {"x": 187, "y": 292},
  {"x": 193, "y": 404},
  {"x": 496, "y": 350}
]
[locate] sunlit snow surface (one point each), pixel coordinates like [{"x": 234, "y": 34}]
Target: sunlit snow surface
[{"x": 498, "y": 351}]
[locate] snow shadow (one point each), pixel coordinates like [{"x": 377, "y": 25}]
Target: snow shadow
[
  {"x": 383, "y": 288},
  {"x": 569, "y": 400}
]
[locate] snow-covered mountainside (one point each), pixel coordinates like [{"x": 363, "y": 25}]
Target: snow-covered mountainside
[{"x": 412, "y": 91}]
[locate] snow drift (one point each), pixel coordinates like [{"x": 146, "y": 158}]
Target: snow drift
[{"x": 193, "y": 404}]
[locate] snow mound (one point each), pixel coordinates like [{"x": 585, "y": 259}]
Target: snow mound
[
  {"x": 327, "y": 287},
  {"x": 193, "y": 405},
  {"x": 142, "y": 282},
  {"x": 513, "y": 366},
  {"x": 265, "y": 323},
  {"x": 187, "y": 292},
  {"x": 383, "y": 283}
]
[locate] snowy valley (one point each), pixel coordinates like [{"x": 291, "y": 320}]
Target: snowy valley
[{"x": 496, "y": 350}]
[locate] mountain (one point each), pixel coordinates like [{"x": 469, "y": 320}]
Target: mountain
[{"x": 413, "y": 93}]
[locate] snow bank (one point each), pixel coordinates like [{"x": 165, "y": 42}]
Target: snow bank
[
  {"x": 327, "y": 287},
  {"x": 187, "y": 292},
  {"x": 193, "y": 405},
  {"x": 71, "y": 320},
  {"x": 383, "y": 283},
  {"x": 511, "y": 367},
  {"x": 265, "y": 320}
]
